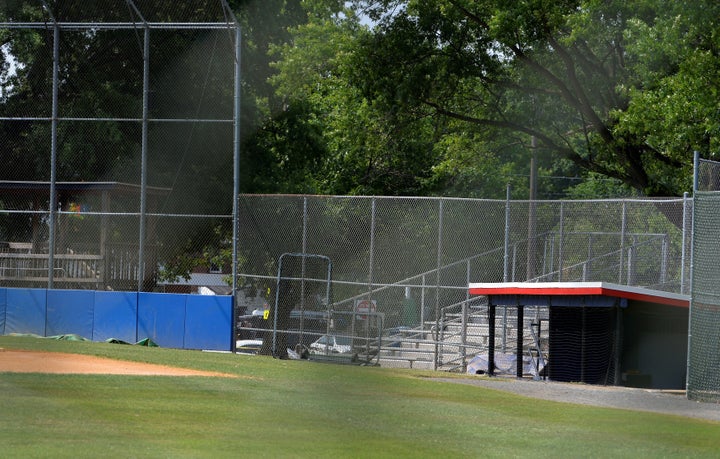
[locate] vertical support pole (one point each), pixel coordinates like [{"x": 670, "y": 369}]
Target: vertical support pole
[
  {"x": 437, "y": 283},
  {"x": 506, "y": 257},
  {"x": 372, "y": 248},
  {"x": 328, "y": 284},
  {"x": 304, "y": 227},
  {"x": 144, "y": 153},
  {"x": 465, "y": 313},
  {"x": 683, "y": 251},
  {"x": 551, "y": 269},
  {"x": 622, "y": 242},
  {"x": 53, "y": 156},
  {"x": 631, "y": 252},
  {"x": 105, "y": 208},
  {"x": 587, "y": 275},
  {"x": 519, "y": 341},
  {"x": 561, "y": 241},
  {"x": 277, "y": 302},
  {"x": 696, "y": 163},
  {"x": 532, "y": 223},
  {"x": 236, "y": 183},
  {"x": 491, "y": 337},
  {"x": 583, "y": 330},
  {"x": 303, "y": 268},
  {"x": 422, "y": 303},
  {"x": 664, "y": 260},
  {"x": 618, "y": 340}
]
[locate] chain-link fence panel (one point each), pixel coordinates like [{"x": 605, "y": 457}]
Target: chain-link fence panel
[
  {"x": 117, "y": 117},
  {"x": 707, "y": 175},
  {"x": 703, "y": 379},
  {"x": 626, "y": 242},
  {"x": 414, "y": 257}
]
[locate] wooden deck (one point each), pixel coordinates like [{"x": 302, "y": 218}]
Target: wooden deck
[
  {"x": 117, "y": 270},
  {"x": 33, "y": 267}
]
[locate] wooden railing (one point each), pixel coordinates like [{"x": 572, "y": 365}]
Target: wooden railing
[
  {"x": 116, "y": 270},
  {"x": 33, "y": 267}
]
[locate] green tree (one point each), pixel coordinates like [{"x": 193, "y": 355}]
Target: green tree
[
  {"x": 368, "y": 151},
  {"x": 675, "y": 105},
  {"x": 582, "y": 77}
]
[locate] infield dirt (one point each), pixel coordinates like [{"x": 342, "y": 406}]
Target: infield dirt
[{"x": 18, "y": 361}]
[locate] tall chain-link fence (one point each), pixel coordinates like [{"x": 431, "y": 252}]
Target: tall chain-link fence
[
  {"x": 119, "y": 141},
  {"x": 117, "y": 138},
  {"x": 414, "y": 257},
  {"x": 703, "y": 381}
]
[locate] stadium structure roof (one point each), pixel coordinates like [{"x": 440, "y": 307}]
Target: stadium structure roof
[{"x": 577, "y": 289}]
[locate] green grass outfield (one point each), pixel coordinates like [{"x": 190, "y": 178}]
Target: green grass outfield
[{"x": 304, "y": 409}]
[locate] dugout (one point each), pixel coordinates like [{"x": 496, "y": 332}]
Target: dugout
[{"x": 599, "y": 333}]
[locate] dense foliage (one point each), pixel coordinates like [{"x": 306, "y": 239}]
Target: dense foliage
[
  {"x": 381, "y": 97},
  {"x": 446, "y": 97},
  {"x": 412, "y": 97}
]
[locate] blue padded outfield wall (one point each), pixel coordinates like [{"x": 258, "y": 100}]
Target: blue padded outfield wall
[{"x": 170, "y": 320}]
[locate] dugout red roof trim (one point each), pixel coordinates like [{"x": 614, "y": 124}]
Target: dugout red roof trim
[{"x": 580, "y": 289}]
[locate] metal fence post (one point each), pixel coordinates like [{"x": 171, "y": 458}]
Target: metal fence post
[
  {"x": 683, "y": 249},
  {"x": 371, "y": 261},
  {"x": 236, "y": 181},
  {"x": 463, "y": 335},
  {"x": 532, "y": 219},
  {"x": 622, "y": 241},
  {"x": 422, "y": 303},
  {"x": 506, "y": 257},
  {"x": 437, "y": 281},
  {"x": 53, "y": 155},
  {"x": 236, "y": 157},
  {"x": 143, "y": 156},
  {"x": 561, "y": 242},
  {"x": 664, "y": 261}
]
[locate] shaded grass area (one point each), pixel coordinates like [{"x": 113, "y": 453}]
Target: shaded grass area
[{"x": 303, "y": 409}]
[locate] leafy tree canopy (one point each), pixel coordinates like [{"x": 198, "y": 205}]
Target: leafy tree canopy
[{"x": 625, "y": 90}]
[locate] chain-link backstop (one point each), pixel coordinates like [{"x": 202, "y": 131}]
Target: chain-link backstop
[{"x": 118, "y": 138}]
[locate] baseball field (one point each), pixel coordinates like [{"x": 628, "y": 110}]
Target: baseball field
[{"x": 112, "y": 400}]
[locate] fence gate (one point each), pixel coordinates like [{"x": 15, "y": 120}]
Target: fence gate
[{"x": 302, "y": 302}]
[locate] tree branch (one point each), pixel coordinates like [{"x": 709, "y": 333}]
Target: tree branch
[{"x": 583, "y": 103}]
